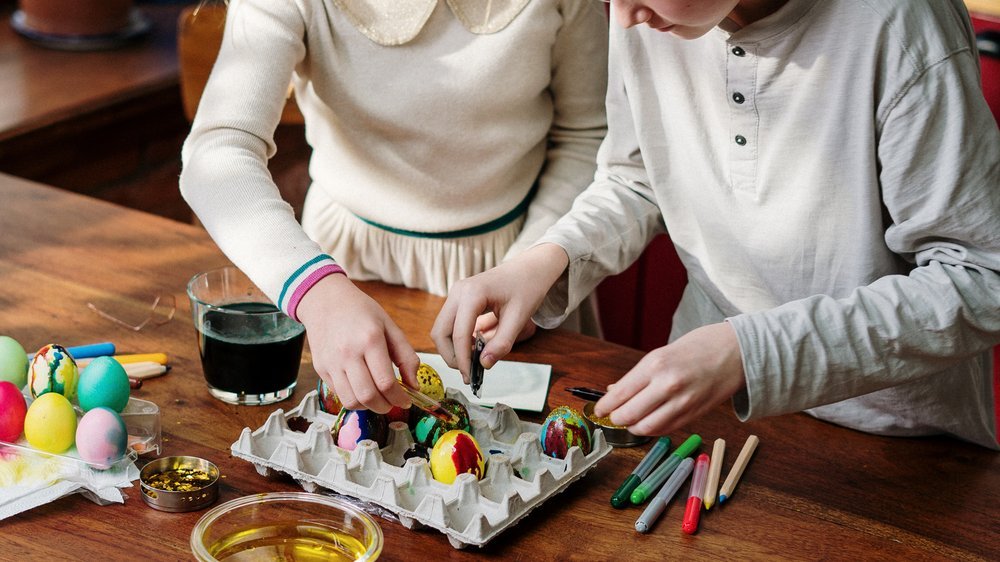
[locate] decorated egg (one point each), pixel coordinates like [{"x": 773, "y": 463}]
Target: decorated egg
[
  {"x": 101, "y": 437},
  {"x": 430, "y": 382},
  {"x": 353, "y": 426},
  {"x": 53, "y": 370},
  {"x": 457, "y": 452},
  {"x": 12, "y": 411},
  {"x": 397, "y": 414},
  {"x": 103, "y": 382},
  {"x": 13, "y": 362},
  {"x": 50, "y": 424},
  {"x": 563, "y": 428},
  {"x": 430, "y": 428},
  {"x": 328, "y": 401}
]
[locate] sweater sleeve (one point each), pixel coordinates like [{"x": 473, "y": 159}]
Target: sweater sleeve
[
  {"x": 939, "y": 183},
  {"x": 578, "y": 85},
  {"x": 225, "y": 178},
  {"x": 612, "y": 221}
]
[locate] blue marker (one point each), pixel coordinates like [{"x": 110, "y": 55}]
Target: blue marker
[{"x": 88, "y": 351}]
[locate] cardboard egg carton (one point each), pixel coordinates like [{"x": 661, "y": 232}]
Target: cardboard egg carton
[{"x": 519, "y": 477}]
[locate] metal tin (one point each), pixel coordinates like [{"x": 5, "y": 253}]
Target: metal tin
[
  {"x": 616, "y": 436},
  {"x": 179, "y": 501}
]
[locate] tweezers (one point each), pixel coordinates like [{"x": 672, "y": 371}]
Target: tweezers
[{"x": 476, "y": 369}]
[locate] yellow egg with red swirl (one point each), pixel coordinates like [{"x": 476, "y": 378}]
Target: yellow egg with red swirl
[{"x": 457, "y": 452}]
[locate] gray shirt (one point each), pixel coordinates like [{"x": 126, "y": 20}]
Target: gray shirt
[{"x": 829, "y": 176}]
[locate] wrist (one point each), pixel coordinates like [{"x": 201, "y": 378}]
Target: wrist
[{"x": 319, "y": 289}]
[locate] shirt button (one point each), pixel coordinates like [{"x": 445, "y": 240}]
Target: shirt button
[
  {"x": 738, "y": 51},
  {"x": 738, "y": 97},
  {"x": 740, "y": 140}
]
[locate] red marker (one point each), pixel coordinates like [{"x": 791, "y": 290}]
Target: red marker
[{"x": 693, "y": 511}]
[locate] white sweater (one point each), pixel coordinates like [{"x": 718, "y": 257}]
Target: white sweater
[
  {"x": 842, "y": 211},
  {"x": 445, "y": 132}
]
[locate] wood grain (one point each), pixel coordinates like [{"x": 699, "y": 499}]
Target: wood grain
[{"x": 812, "y": 491}]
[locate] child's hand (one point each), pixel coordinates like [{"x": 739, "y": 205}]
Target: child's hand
[
  {"x": 512, "y": 291},
  {"x": 487, "y": 325},
  {"x": 676, "y": 384},
  {"x": 354, "y": 345}
]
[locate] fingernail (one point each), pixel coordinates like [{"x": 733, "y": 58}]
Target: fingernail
[{"x": 487, "y": 361}]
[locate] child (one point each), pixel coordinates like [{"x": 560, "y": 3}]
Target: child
[
  {"x": 830, "y": 175},
  {"x": 446, "y": 136}
]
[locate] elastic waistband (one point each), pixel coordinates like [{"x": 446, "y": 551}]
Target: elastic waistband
[{"x": 507, "y": 218}]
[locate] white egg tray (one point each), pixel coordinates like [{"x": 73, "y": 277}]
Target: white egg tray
[{"x": 519, "y": 477}]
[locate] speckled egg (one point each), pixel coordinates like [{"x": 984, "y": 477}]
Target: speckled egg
[
  {"x": 563, "y": 428},
  {"x": 328, "y": 401},
  {"x": 101, "y": 437},
  {"x": 457, "y": 452},
  {"x": 12, "y": 411},
  {"x": 430, "y": 382},
  {"x": 353, "y": 426},
  {"x": 430, "y": 428},
  {"x": 13, "y": 362},
  {"x": 53, "y": 370},
  {"x": 103, "y": 382},
  {"x": 50, "y": 423}
]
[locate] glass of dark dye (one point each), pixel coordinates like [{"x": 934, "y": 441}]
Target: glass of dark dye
[{"x": 250, "y": 350}]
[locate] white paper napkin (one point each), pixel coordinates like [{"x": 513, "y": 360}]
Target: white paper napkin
[
  {"x": 522, "y": 386},
  {"x": 29, "y": 480}
]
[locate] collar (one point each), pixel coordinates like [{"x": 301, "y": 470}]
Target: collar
[{"x": 396, "y": 22}]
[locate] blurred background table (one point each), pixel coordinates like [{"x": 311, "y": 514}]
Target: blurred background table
[{"x": 812, "y": 491}]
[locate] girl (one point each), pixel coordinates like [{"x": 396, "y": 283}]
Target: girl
[{"x": 446, "y": 136}]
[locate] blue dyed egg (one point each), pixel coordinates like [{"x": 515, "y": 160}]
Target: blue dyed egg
[
  {"x": 430, "y": 428},
  {"x": 564, "y": 428},
  {"x": 354, "y": 426},
  {"x": 103, "y": 382}
]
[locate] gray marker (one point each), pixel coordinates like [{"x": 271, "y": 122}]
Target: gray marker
[{"x": 666, "y": 493}]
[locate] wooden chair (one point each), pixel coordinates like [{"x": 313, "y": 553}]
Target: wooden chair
[{"x": 199, "y": 36}]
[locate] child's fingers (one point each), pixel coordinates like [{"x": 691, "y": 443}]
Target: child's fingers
[
  {"x": 509, "y": 327},
  {"x": 363, "y": 385},
  {"x": 403, "y": 355},
  {"x": 380, "y": 367},
  {"x": 441, "y": 332},
  {"x": 345, "y": 394}
]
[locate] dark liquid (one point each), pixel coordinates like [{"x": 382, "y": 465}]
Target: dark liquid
[{"x": 250, "y": 353}]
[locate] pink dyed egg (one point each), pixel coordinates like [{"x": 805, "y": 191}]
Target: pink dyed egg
[
  {"x": 12, "y": 411},
  {"x": 101, "y": 437}
]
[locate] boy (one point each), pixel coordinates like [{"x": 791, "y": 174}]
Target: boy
[{"x": 828, "y": 171}]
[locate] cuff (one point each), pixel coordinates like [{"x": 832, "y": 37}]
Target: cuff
[{"x": 303, "y": 279}]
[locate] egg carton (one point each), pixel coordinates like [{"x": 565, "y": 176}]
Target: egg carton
[{"x": 518, "y": 478}]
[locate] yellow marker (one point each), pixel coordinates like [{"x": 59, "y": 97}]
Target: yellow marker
[{"x": 714, "y": 471}]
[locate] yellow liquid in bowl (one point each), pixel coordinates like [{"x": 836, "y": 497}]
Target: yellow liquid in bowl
[{"x": 302, "y": 541}]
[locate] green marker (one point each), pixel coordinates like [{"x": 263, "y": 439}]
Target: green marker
[
  {"x": 623, "y": 492},
  {"x": 649, "y": 486}
]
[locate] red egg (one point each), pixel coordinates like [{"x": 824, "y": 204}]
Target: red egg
[{"x": 12, "y": 411}]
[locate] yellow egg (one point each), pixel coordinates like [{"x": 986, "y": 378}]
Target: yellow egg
[
  {"x": 456, "y": 452},
  {"x": 50, "y": 424},
  {"x": 430, "y": 382}
]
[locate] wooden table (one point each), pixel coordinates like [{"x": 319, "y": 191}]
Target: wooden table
[{"x": 813, "y": 491}]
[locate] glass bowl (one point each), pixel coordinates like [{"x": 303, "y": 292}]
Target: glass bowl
[{"x": 286, "y": 526}]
